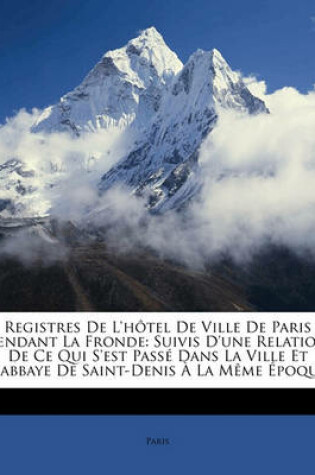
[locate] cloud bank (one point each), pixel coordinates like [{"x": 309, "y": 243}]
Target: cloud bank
[
  {"x": 66, "y": 169},
  {"x": 258, "y": 175}
]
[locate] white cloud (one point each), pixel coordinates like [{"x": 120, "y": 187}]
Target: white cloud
[
  {"x": 260, "y": 177},
  {"x": 259, "y": 182},
  {"x": 257, "y": 87},
  {"x": 258, "y": 174},
  {"x": 72, "y": 165}
]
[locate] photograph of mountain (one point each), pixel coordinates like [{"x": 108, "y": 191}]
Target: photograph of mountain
[{"x": 166, "y": 180}]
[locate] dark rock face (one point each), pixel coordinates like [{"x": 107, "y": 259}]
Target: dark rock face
[
  {"x": 279, "y": 280},
  {"x": 15, "y": 165},
  {"x": 35, "y": 288},
  {"x": 91, "y": 277},
  {"x": 143, "y": 282},
  {"x": 5, "y": 204},
  {"x": 184, "y": 80},
  {"x": 94, "y": 279}
]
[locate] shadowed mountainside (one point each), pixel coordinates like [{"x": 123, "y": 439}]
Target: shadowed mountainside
[
  {"x": 92, "y": 279},
  {"x": 89, "y": 276}
]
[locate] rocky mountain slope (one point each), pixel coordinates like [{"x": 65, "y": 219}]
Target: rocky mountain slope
[
  {"x": 165, "y": 162},
  {"x": 125, "y": 87},
  {"x": 91, "y": 277},
  {"x": 69, "y": 273},
  {"x": 168, "y": 108}
]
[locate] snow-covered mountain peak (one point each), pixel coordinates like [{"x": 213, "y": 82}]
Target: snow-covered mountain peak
[
  {"x": 208, "y": 81},
  {"x": 146, "y": 59},
  {"x": 164, "y": 166},
  {"x": 151, "y": 32},
  {"x": 217, "y": 56},
  {"x": 148, "y": 38},
  {"x": 124, "y": 87},
  {"x": 168, "y": 110}
]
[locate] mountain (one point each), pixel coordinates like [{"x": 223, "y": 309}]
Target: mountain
[
  {"x": 22, "y": 190},
  {"x": 90, "y": 277},
  {"x": 164, "y": 163},
  {"x": 168, "y": 108},
  {"x": 125, "y": 86}
]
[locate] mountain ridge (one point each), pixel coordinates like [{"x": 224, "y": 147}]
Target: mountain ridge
[
  {"x": 144, "y": 65},
  {"x": 170, "y": 108}
]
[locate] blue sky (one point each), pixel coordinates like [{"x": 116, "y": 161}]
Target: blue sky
[{"x": 47, "y": 47}]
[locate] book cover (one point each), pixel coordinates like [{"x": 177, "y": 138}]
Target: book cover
[{"x": 157, "y": 222}]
